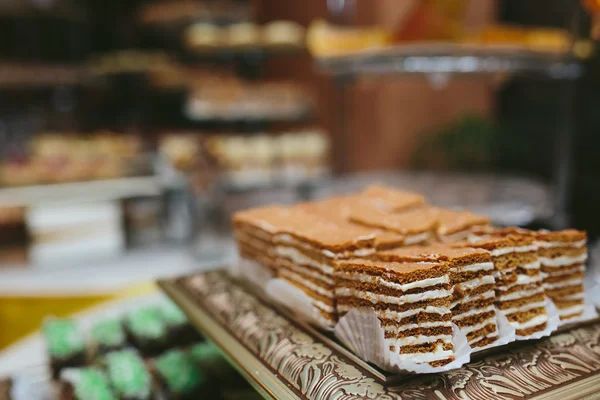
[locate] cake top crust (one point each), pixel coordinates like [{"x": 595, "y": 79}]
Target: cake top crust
[
  {"x": 435, "y": 253},
  {"x": 434, "y": 268},
  {"x": 452, "y": 221},
  {"x": 408, "y": 222},
  {"x": 392, "y": 199},
  {"x": 567, "y": 236}
]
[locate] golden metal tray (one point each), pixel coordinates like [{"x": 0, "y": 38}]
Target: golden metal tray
[{"x": 286, "y": 359}]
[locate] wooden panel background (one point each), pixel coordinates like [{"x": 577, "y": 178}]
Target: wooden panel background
[{"x": 385, "y": 115}]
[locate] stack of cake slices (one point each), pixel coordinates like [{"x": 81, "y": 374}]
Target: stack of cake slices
[
  {"x": 562, "y": 256},
  {"x": 455, "y": 225},
  {"x": 472, "y": 277},
  {"x": 519, "y": 285},
  {"x": 254, "y": 234},
  {"x": 412, "y": 301}
]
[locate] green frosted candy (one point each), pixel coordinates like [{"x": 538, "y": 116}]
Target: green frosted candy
[
  {"x": 173, "y": 314},
  {"x": 209, "y": 358},
  {"x": 63, "y": 338},
  {"x": 88, "y": 384},
  {"x": 146, "y": 322},
  {"x": 179, "y": 371},
  {"x": 128, "y": 374},
  {"x": 109, "y": 333}
]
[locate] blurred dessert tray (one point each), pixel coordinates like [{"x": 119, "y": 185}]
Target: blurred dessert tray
[
  {"x": 285, "y": 358},
  {"x": 454, "y": 58},
  {"x": 109, "y": 189},
  {"x": 506, "y": 200}
]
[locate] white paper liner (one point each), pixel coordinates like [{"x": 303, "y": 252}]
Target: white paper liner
[
  {"x": 506, "y": 333},
  {"x": 252, "y": 271},
  {"x": 589, "y": 312},
  {"x": 361, "y": 331},
  {"x": 297, "y": 301}
]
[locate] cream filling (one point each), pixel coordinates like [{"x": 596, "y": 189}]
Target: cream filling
[
  {"x": 526, "y": 279},
  {"x": 475, "y": 283},
  {"x": 540, "y": 319},
  {"x": 311, "y": 273},
  {"x": 419, "y": 339},
  {"x": 322, "y": 306},
  {"x": 526, "y": 307},
  {"x": 399, "y": 315},
  {"x": 533, "y": 265},
  {"x": 486, "y": 266},
  {"x": 486, "y": 295},
  {"x": 508, "y": 250},
  {"x": 473, "y": 328},
  {"x": 306, "y": 283},
  {"x": 581, "y": 268},
  {"x": 571, "y": 310},
  {"x": 576, "y": 296},
  {"x": 548, "y": 245},
  {"x": 520, "y": 294},
  {"x": 475, "y": 311},
  {"x": 406, "y": 327},
  {"x": 420, "y": 358},
  {"x": 558, "y": 285},
  {"x": 563, "y": 261},
  {"x": 418, "y": 238},
  {"x": 295, "y": 256},
  {"x": 396, "y": 286},
  {"x": 379, "y": 298}
]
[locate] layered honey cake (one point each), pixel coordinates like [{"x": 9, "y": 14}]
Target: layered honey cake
[
  {"x": 418, "y": 225},
  {"x": 254, "y": 230},
  {"x": 562, "y": 256},
  {"x": 306, "y": 250},
  {"x": 412, "y": 301},
  {"x": 390, "y": 199},
  {"x": 455, "y": 225},
  {"x": 340, "y": 210},
  {"x": 519, "y": 285},
  {"x": 472, "y": 276}
]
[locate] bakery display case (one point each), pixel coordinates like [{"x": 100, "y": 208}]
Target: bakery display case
[{"x": 203, "y": 198}]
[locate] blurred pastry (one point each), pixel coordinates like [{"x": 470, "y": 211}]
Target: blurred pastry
[
  {"x": 283, "y": 33},
  {"x": 243, "y": 34},
  {"x": 325, "y": 40},
  {"x": 201, "y": 35}
]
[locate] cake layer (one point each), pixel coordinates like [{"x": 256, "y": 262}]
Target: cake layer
[
  {"x": 554, "y": 252},
  {"x": 487, "y": 340},
  {"x": 532, "y": 330},
  {"x": 400, "y": 273},
  {"x": 392, "y": 199},
  {"x": 521, "y": 299},
  {"x": 471, "y": 320},
  {"x": 320, "y": 288},
  {"x": 307, "y": 273},
  {"x": 563, "y": 261},
  {"x": 563, "y": 271},
  {"x": 420, "y": 314},
  {"x": 412, "y": 222},
  {"x": 354, "y": 302}
]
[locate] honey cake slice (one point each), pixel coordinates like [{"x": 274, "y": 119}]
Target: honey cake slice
[
  {"x": 306, "y": 249},
  {"x": 339, "y": 209},
  {"x": 412, "y": 301},
  {"x": 519, "y": 284},
  {"x": 391, "y": 199},
  {"x": 418, "y": 225},
  {"x": 472, "y": 276},
  {"x": 562, "y": 255},
  {"x": 253, "y": 231},
  {"x": 455, "y": 225}
]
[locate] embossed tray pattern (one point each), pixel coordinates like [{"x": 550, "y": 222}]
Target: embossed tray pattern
[{"x": 286, "y": 359}]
